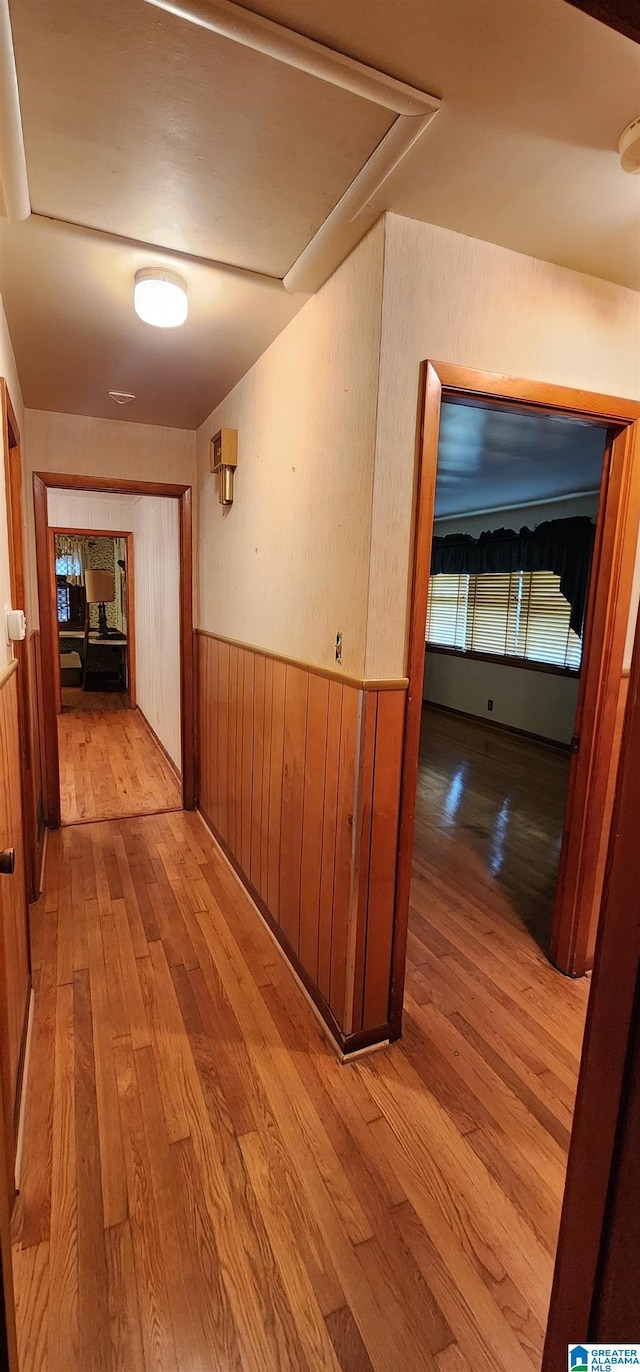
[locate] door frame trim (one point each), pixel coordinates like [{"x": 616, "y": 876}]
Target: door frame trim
[
  {"x": 42, "y": 483},
  {"x": 616, "y": 543},
  {"x": 17, "y": 578}
]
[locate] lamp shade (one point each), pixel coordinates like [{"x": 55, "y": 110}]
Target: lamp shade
[{"x": 99, "y": 585}]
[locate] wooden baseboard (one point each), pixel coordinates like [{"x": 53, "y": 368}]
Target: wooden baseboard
[
  {"x": 348, "y": 1046},
  {"x": 110, "y": 819},
  {"x": 497, "y": 724},
  {"x": 176, "y": 771}
]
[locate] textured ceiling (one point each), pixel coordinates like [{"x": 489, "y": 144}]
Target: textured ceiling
[
  {"x": 140, "y": 125},
  {"x": 489, "y": 459},
  {"x": 68, "y": 297}
]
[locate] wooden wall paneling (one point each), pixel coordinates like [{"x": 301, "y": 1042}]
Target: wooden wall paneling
[
  {"x": 329, "y": 835},
  {"x": 300, "y": 781},
  {"x": 257, "y": 777},
  {"x": 232, "y": 748},
  {"x": 346, "y": 805},
  {"x": 363, "y": 842},
  {"x": 247, "y": 761},
  {"x": 239, "y": 750},
  {"x": 295, "y": 735},
  {"x": 214, "y": 687},
  {"x": 383, "y": 856},
  {"x": 203, "y": 744},
  {"x": 222, "y": 711},
  {"x": 265, "y": 815},
  {"x": 15, "y": 977},
  {"x": 35, "y": 730},
  {"x": 313, "y": 809},
  {"x": 278, "y": 693}
]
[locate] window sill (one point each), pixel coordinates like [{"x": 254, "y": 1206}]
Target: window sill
[{"x": 549, "y": 668}]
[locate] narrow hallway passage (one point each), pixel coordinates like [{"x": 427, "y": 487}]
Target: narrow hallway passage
[
  {"x": 110, "y": 765},
  {"x": 204, "y": 1185}
]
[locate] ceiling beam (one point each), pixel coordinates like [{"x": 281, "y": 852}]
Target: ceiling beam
[
  {"x": 296, "y": 50},
  {"x": 13, "y": 165},
  {"x": 355, "y": 212}
]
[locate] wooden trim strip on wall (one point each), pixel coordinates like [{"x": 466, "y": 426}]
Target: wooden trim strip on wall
[{"x": 399, "y": 683}]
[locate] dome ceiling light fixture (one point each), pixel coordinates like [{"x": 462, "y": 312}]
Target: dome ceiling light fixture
[
  {"x": 160, "y": 298},
  {"x": 121, "y": 397}
]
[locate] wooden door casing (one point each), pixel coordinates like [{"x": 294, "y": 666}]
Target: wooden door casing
[
  {"x": 603, "y": 662},
  {"x": 596, "y": 1286},
  {"x": 42, "y": 482}
]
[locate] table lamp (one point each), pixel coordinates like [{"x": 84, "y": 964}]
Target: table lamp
[{"x": 100, "y": 586}]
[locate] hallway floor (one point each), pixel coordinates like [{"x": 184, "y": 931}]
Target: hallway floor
[
  {"x": 205, "y": 1187},
  {"x": 111, "y": 765}
]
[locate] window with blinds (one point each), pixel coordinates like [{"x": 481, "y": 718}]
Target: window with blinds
[{"x": 509, "y": 614}]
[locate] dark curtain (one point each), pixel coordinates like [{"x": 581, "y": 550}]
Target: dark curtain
[{"x": 563, "y": 546}]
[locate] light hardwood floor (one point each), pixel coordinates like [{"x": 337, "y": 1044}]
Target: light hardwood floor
[
  {"x": 111, "y": 765},
  {"x": 206, "y": 1187}
]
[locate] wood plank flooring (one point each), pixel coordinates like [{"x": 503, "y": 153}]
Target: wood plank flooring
[
  {"x": 110, "y": 765},
  {"x": 206, "y": 1187},
  {"x": 489, "y": 818}
]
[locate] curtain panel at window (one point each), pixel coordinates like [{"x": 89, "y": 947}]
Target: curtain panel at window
[{"x": 562, "y": 546}]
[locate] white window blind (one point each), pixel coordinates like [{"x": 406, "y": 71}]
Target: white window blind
[{"x": 511, "y": 614}]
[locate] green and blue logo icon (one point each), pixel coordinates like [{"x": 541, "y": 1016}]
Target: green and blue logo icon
[{"x": 578, "y": 1359}]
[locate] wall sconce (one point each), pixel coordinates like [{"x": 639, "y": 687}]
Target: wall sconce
[{"x": 223, "y": 460}]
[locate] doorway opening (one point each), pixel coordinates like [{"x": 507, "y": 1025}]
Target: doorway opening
[
  {"x": 516, "y": 506},
  {"x": 611, "y": 605},
  {"x": 114, "y": 587},
  {"x": 96, "y": 624}
]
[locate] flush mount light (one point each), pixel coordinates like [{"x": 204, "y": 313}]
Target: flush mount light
[
  {"x": 121, "y": 397},
  {"x": 160, "y": 298}
]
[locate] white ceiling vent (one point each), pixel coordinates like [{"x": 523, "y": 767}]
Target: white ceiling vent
[{"x": 121, "y": 397}]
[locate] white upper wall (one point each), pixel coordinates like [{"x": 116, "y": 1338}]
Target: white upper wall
[
  {"x": 9, "y": 371},
  {"x": 458, "y": 300},
  {"x": 286, "y": 566}
]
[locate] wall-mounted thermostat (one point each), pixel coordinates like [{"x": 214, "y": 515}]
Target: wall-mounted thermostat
[{"x": 16, "y": 624}]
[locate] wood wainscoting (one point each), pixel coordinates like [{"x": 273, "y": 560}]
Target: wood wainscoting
[
  {"x": 299, "y": 780},
  {"x": 15, "y": 970}
]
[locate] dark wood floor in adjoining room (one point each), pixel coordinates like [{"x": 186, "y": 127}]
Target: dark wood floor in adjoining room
[{"x": 206, "y": 1187}]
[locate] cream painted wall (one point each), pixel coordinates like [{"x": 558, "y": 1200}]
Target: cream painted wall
[
  {"x": 538, "y": 702},
  {"x": 154, "y": 522},
  {"x": 286, "y": 566},
  {"x": 9, "y": 371},
  {"x": 100, "y": 447},
  {"x": 456, "y": 299},
  {"x": 156, "y": 542}
]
